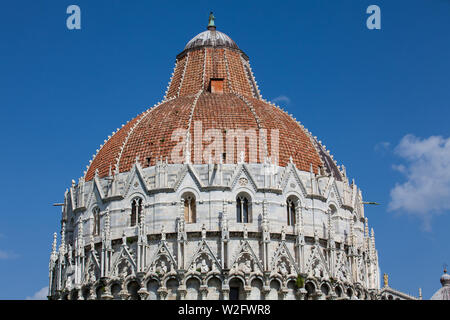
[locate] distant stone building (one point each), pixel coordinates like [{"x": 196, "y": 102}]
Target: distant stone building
[
  {"x": 388, "y": 293},
  {"x": 444, "y": 292},
  {"x": 173, "y": 207}
]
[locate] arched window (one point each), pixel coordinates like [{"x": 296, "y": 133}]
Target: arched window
[
  {"x": 190, "y": 212},
  {"x": 96, "y": 214},
  {"x": 243, "y": 209},
  {"x": 136, "y": 210},
  {"x": 291, "y": 204}
]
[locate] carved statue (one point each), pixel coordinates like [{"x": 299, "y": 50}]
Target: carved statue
[
  {"x": 246, "y": 267},
  {"x": 211, "y": 20},
  {"x": 92, "y": 277},
  {"x": 203, "y": 231},
  {"x": 282, "y": 269},
  {"x": 162, "y": 268},
  {"x": 124, "y": 269},
  {"x": 163, "y": 233},
  {"x": 204, "y": 267}
]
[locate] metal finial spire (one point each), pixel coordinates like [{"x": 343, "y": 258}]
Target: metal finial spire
[{"x": 211, "y": 25}]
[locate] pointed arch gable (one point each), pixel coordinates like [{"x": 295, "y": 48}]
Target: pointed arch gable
[
  {"x": 162, "y": 250},
  {"x": 96, "y": 195},
  {"x": 245, "y": 248},
  {"x": 337, "y": 195},
  {"x": 204, "y": 248},
  {"x": 316, "y": 256},
  {"x": 292, "y": 172},
  {"x": 124, "y": 253},
  {"x": 283, "y": 251},
  {"x": 188, "y": 169},
  {"x": 241, "y": 172},
  {"x": 136, "y": 174}
]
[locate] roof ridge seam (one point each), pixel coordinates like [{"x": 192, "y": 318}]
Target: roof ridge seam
[
  {"x": 204, "y": 69},
  {"x": 191, "y": 115},
  {"x": 122, "y": 148},
  {"x": 230, "y": 86},
  {"x": 130, "y": 132},
  {"x": 258, "y": 122},
  {"x": 183, "y": 74},
  {"x": 98, "y": 150},
  {"x": 251, "y": 78},
  {"x": 171, "y": 80}
]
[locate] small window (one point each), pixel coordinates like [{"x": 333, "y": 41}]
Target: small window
[
  {"x": 190, "y": 214},
  {"x": 136, "y": 210},
  {"x": 291, "y": 204},
  {"x": 243, "y": 209},
  {"x": 216, "y": 85},
  {"x": 96, "y": 214}
]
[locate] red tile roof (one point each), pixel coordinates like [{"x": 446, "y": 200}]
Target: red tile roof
[{"x": 149, "y": 136}]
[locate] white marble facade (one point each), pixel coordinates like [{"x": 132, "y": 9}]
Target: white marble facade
[{"x": 323, "y": 251}]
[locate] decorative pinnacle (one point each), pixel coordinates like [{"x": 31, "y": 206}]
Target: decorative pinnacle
[
  {"x": 54, "y": 242},
  {"x": 211, "y": 25}
]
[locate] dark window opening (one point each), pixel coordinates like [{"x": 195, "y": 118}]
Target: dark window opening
[
  {"x": 136, "y": 211},
  {"x": 234, "y": 293}
]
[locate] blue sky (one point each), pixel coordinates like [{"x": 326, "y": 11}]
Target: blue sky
[{"x": 378, "y": 99}]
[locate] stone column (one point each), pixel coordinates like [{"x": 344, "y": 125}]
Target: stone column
[
  {"x": 265, "y": 291},
  {"x": 301, "y": 293},
  {"x": 247, "y": 292},
  {"x": 226, "y": 292},
  {"x": 204, "y": 292},
  {"x": 92, "y": 295},
  {"x": 284, "y": 292},
  {"x": 107, "y": 294},
  {"x": 163, "y": 293},
  {"x": 80, "y": 294},
  {"x": 143, "y": 293},
  {"x": 182, "y": 291}
]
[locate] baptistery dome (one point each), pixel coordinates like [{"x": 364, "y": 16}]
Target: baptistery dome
[
  {"x": 213, "y": 193},
  {"x": 211, "y": 61}
]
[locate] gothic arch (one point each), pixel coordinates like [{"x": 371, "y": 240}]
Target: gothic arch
[
  {"x": 151, "y": 278},
  {"x": 193, "y": 284},
  {"x": 325, "y": 288},
  {"x": 244, "y": 207},
  {"x": 190, "y": 206},
  {"x": 169, "y": 277},
  {"x": 214, "y": 284},
  {"x": 292, "y": 207},
  {"x": 137, "y": 209},
  {"x": 236, "y": 284},
  {"x": 186, "y": 190},
  {"x": 310, "y": 287},
  {"x": 211, "y": 276}
]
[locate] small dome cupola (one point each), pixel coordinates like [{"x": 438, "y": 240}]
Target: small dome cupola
[
  {"x": 211, "y": 38},
  {"x": 445, "y": 278}
]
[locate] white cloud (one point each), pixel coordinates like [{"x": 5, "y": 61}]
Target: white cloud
[
  {"x": 281, "y": 99},
  {"x": 426, "y": 191},
  {"x": 39, "y": 295},
  {"x": 7, "y": 255}
]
